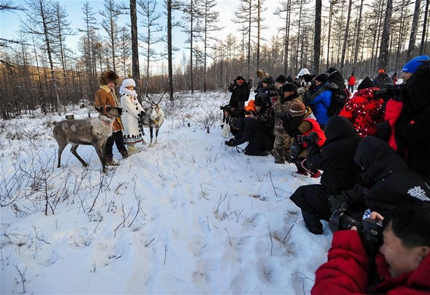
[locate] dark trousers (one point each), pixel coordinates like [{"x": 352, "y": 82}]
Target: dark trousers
[{"x": 116, "y": 138}]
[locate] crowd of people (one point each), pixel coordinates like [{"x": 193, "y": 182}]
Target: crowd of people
[{"x": 373, "y": 156}]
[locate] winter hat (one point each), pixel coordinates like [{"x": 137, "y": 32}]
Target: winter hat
[
  {"x": 108, "y": 76},
  {"x": 322, "y": 78},
  {"x": 297, "y": 109},
  {"x": 412, "y": 65},
  {"x": 233, "y": 104},
  {"x": 128, "y": 82},
  {"x": 308, "y": 77},
  {"x": 381, "y": 71},
  {"x": 268, "y": 80},
  {"x": 331, "y": 70},
  {"x": 366, "y": 83},
  {"x": 240, "y": 78},
  {"x": 258, "y": 102},
  {"x": 289, "y": 79},
  {"x": 281, "y": 79},
  {"x": 289, "y": 87},
  {"x": 302, "y": 72}
]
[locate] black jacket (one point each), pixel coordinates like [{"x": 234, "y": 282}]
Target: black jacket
[
  {"x": 337, "y": 78},
  {"x": 239, "y": 93},
  {"x": 336, "y": 158},
  {"x": 389, "y": 180},
  {"x": 250, "y": 130}
]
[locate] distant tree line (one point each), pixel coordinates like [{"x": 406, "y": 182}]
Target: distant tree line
[{"x": 39, "y": 69}]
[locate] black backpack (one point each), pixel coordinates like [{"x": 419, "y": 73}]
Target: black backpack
[{"x": 338, "y": 99}]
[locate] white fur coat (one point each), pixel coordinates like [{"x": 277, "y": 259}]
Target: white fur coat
[{"x": 130, "y": 114}]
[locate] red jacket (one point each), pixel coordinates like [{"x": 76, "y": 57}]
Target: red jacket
[
  {"x": 346, "y": 271},
  {"x": 352, "y": 80},
  {"x": 364, "y": 111}
]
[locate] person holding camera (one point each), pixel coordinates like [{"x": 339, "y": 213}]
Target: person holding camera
[
  {"x": 231, "y": 111},
  {"x": 336, "y": 160},
  {"x": 402, "y": 264},
  {"x": 249, "y": 130},
  {"x": 263, "y": 115},
  {"x": 287, "y": 95},
  {"x": 239, "y": 91},
  {"x": 298, "y": 123}
]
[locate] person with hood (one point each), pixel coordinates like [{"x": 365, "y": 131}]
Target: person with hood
[
  {"x": 239, "y": 91},
  {"x": 382, "y": 81},
  {"x": 249, "y": 130},
  {"x": 365, "y": 109},
  {"x": 263, "y": 115},
  {"x": 298, "y": 123},
  {"x": 269, "y": 90},
  {"x": 408, "y": 129},
  {"x": 231, "y": 111},
  {"x": 132, "y": 111},
  {"x": 402, "y": 264},
  {"x": 336, "y": 160},
  {"x": 334, "y": 76},
  {"x": 320, "y": 99},
  {"x": 105, "y": 95},
  {"x": 287, "y": 96}
]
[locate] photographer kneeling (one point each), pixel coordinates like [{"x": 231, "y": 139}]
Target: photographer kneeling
[{"x": 403, "y": 262}]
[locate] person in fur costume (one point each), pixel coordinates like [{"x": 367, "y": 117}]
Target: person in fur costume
[
  {"x": 132, "y": 111},
  {"x": 105, "y": 95}
]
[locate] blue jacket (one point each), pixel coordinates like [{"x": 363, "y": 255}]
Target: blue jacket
[{"x": 320, "y": 101}]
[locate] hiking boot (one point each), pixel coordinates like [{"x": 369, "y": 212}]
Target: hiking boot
[
  {"x": 111, "y": 162},
  {"x": 124, "y": 154}
]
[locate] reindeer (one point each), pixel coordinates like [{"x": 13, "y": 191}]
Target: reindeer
[
  {"x": 92, "y": 131},
  {"x": 153, "y": 118}
]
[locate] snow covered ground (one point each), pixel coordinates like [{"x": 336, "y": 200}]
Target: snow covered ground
[{"x": 188, "y": 216}]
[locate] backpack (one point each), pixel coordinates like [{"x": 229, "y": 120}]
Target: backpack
[{"x": 338, "y": 99}]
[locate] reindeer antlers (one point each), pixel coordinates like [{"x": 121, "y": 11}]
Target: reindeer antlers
[{"x": 151, "y": 101}]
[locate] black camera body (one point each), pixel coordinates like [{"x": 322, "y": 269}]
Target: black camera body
[
  {"x": 390, "y": 91},
  {"x": 370, "y": 230},
  {"x": 224, "y": 108}
]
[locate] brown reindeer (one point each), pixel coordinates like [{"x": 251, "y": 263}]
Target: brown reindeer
[{"x": 92, "y": 131}]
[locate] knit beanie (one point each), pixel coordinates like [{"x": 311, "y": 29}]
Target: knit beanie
[
  {"x": 268, "y": 80},
  {"x": 258, "y": 102},
  {"x": 412, "y": 65},
  {"x": 322, "y": 78},
  {"x": 297, "y": 109},
  {"x": 331, "y": 70},
  {"x": 281, "y": 79},
  {"x": 381, "y": 71},
  {"x": 289, "y": 79},
  {"x": 366, "y": 83}
]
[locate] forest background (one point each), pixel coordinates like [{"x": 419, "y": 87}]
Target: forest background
[{"x": 40, "y": 67}]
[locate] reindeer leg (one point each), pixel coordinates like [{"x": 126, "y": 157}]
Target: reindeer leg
[
  {"x": 156, "y": 135},
  {"x": 60, "y": 151},
  {"x": 74, "y": 152},
  {"x": 151, "y": 132},
  {"x": 100, "y": 150}
]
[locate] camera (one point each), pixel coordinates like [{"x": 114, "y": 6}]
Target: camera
[
  {"x": 224, "y": 108},
  {"x": 309, "y": 139},
  {"x": 302, "y": 83},
  {"x": 370, "y": 230},
  {"x": 390, "y": 91}
]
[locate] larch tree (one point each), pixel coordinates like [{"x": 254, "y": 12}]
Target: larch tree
[
  {"x": 134, "y": 45},
  {"x": 414, "y": 29},
  {"x": 149, "y": 34}
]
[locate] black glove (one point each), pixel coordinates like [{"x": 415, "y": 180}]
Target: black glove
[
  {"x": 295, "y": 151},
  {"x": 309, "y": 139},
  {"x": 229, "y": 142}
]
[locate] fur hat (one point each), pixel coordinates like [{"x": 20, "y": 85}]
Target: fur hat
[
  {"x": 412, "y": 65},
  {"x": 322, "y": 78},
  {"x": 108, "y": 76},
  {"x": 281, "y": 79},
  {"x": 258, "y": 102},
  {"x": 381, "y": 71},
  {"x": 268, "y": 80},
  {"x": 297, "y": 109},
  {"x": 366, "y": 83},
  {"x": 290, "y": 87},
  {"x": 128, "y": 82}
]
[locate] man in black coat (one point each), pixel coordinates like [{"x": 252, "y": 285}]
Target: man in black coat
[
  {"x": 249, "y": 130},
  {"x": 336, "y": 159},
  {"x": 239, "y": 91},
  {"x": 387, "y": 177}
]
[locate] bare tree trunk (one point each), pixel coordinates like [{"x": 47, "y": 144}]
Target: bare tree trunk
[
  {"x": 423, "y": 37},
  {"x": 169, "y": 47},
  {"x": 414, "y": 28},
  {"x": 345, "y": 39},
  {"x": 317, "y": 40},
  {"x": 134, "y": 45},
  {"x": 383, "y": 56}
]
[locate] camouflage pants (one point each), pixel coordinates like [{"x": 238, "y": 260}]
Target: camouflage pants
[{"x": 281, "y": 147}]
